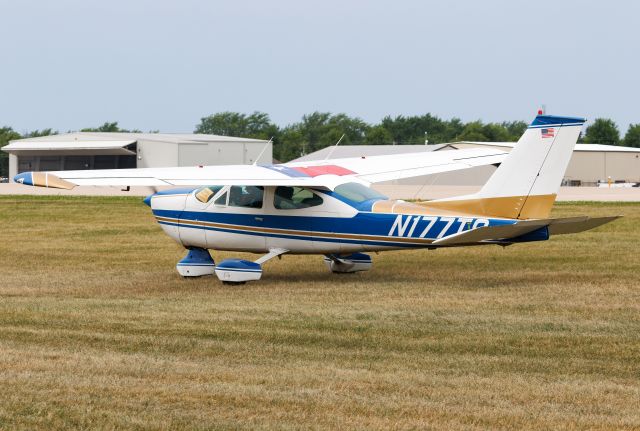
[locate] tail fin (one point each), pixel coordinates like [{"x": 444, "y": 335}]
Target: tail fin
[{"x": 527, "y": 182}]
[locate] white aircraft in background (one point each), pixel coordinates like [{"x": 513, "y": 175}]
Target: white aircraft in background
[{"x": 326, "y": 207}]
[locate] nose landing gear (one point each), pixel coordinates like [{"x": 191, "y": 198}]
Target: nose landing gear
[{"x": 196, "y": 263}]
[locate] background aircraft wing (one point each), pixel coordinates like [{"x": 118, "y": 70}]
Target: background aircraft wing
[
  {"x": 321, "y": 174},
  {"x": 375, "y": 169}
]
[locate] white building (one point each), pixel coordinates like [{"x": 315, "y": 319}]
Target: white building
[
  {"x": 589, "y": 164},
  {"x": 97, "y": 150}
]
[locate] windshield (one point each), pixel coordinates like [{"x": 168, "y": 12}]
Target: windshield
[
  {"x": 357, "y": 192},
  {"x": 205, "y": 194}
]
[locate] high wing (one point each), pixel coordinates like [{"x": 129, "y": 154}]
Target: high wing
[{"x": 322, "y": 174}]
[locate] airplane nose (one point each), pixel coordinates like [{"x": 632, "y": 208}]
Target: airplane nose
[{"x": 147, "y": 200}]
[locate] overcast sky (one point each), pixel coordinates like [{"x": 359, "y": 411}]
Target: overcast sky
[{"x": 162, "y": 65}]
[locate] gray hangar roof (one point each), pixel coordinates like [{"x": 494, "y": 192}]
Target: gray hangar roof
[{"x": 110, "y": 143}]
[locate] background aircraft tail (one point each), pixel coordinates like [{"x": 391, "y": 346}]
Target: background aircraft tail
[{"x": 525, "y": 185}]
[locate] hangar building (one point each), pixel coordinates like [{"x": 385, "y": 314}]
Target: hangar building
[
  {"x": 589, "y": 164},
  {"x": 97, "y": 150}
]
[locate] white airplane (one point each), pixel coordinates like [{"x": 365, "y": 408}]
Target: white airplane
[{"x": 326, "y": 207}]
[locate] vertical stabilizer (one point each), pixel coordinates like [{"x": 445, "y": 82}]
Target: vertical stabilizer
[{"x": 527, "y": 182}]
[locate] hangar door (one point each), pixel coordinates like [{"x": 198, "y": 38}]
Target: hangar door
[
  {"x": 192, "y": 154},
  {"x": 227, "y": 153}
]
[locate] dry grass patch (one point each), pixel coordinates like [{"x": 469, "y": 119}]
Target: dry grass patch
[{"x": 97, "y": 330}]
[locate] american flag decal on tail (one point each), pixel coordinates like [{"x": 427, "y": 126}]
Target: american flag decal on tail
[{"x": 548, "y": 133}]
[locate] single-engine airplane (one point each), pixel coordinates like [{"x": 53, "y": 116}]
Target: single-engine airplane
[{"x": 327, "y": 208}]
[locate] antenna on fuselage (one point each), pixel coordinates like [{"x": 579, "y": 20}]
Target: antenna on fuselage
[
  {"x": 255, "y": 162},
  {"x": 334, "y": 147}
]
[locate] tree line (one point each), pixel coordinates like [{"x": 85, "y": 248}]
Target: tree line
[{"x": 321, "y": 129}]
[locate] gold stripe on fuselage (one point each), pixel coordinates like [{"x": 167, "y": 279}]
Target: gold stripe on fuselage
[
  {"x": 296, "y": 232},
  {"x": 511, "y": 207}
]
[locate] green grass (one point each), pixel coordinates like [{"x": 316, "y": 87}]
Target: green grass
[{"x": 98, "y": 331}]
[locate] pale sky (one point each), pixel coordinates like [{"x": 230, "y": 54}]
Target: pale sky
[{"x": 162, "y": 65}]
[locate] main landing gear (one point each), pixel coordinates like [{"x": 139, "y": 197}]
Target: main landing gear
[
  {"x": 198, "y": 262},
  {"x": 355, "y": 262}
]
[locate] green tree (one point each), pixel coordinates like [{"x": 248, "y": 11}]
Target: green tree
[
  {"x": 453, "y": 128},
  {"x": 515, "y": 129},
  {"x": 261, "y": 127},
  {"x": 37, "y": 133},
  {"x": 6, "y": 134},
  {"x": 106, "y": 127},
  {"x": 318, "y": 130},
  {"x": 109, "y": 127},
  {"x": 602, "y": 131},
  {"x": 255, "y": 125},
  {"x": 377, "y": 135},
  {"x": 289, "y": 146},
  {"x": 479, "y": 132},
  {"x": 473, "y": 132},
  {"x": 411, "y": 130},
  {"x": 496, "y": 133},
  {"x": 323, "y": 129},
  {"x": 632, "y": 138}
]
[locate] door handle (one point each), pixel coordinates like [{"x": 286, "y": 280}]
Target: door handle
[{"x": 258, "y": 218}]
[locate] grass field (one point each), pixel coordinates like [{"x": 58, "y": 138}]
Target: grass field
[{"x": 98, "y": 331}]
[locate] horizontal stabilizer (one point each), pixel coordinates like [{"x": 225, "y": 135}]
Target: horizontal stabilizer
[
  {"x": 503, "y": 233},
  {"x": 492, "y": 233},
  {"x": 562, "y": 227}
]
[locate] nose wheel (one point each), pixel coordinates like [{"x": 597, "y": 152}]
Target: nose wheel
[{"x": 196, "y": 263}]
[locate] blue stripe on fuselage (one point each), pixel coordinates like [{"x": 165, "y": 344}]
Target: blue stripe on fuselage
[
  {"x": 302, "y": 238},
  {"x": 386, "y": 226}
]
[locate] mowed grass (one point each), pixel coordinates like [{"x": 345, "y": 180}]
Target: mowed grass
[{"x": 98, "y": 331}]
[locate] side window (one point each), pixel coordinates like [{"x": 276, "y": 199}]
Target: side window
[
  {"x": 222, "y": 200},
  {"x": 205, "y": 194},
  {"x": 246, "y": 196},
  {"x": 357, "y": 192},
  {"x": 291, "y": 198}
]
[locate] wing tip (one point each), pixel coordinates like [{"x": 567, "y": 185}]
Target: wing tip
[{"x": 43, "y": 179}]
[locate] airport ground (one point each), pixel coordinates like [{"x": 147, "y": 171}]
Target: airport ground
[{"x": 98, "y": 331}]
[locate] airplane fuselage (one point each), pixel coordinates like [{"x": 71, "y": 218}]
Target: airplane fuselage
[{"x": 337, "y": 225}]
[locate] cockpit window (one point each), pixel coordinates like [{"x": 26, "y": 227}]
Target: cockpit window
[
  {"x": 205, "y": 194},
  {"x": 246, "y": 196},
  {"x": 357, "y": 192},
  {"x": 222, "y": 199},
  {"x": 291, "y": 198}
]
